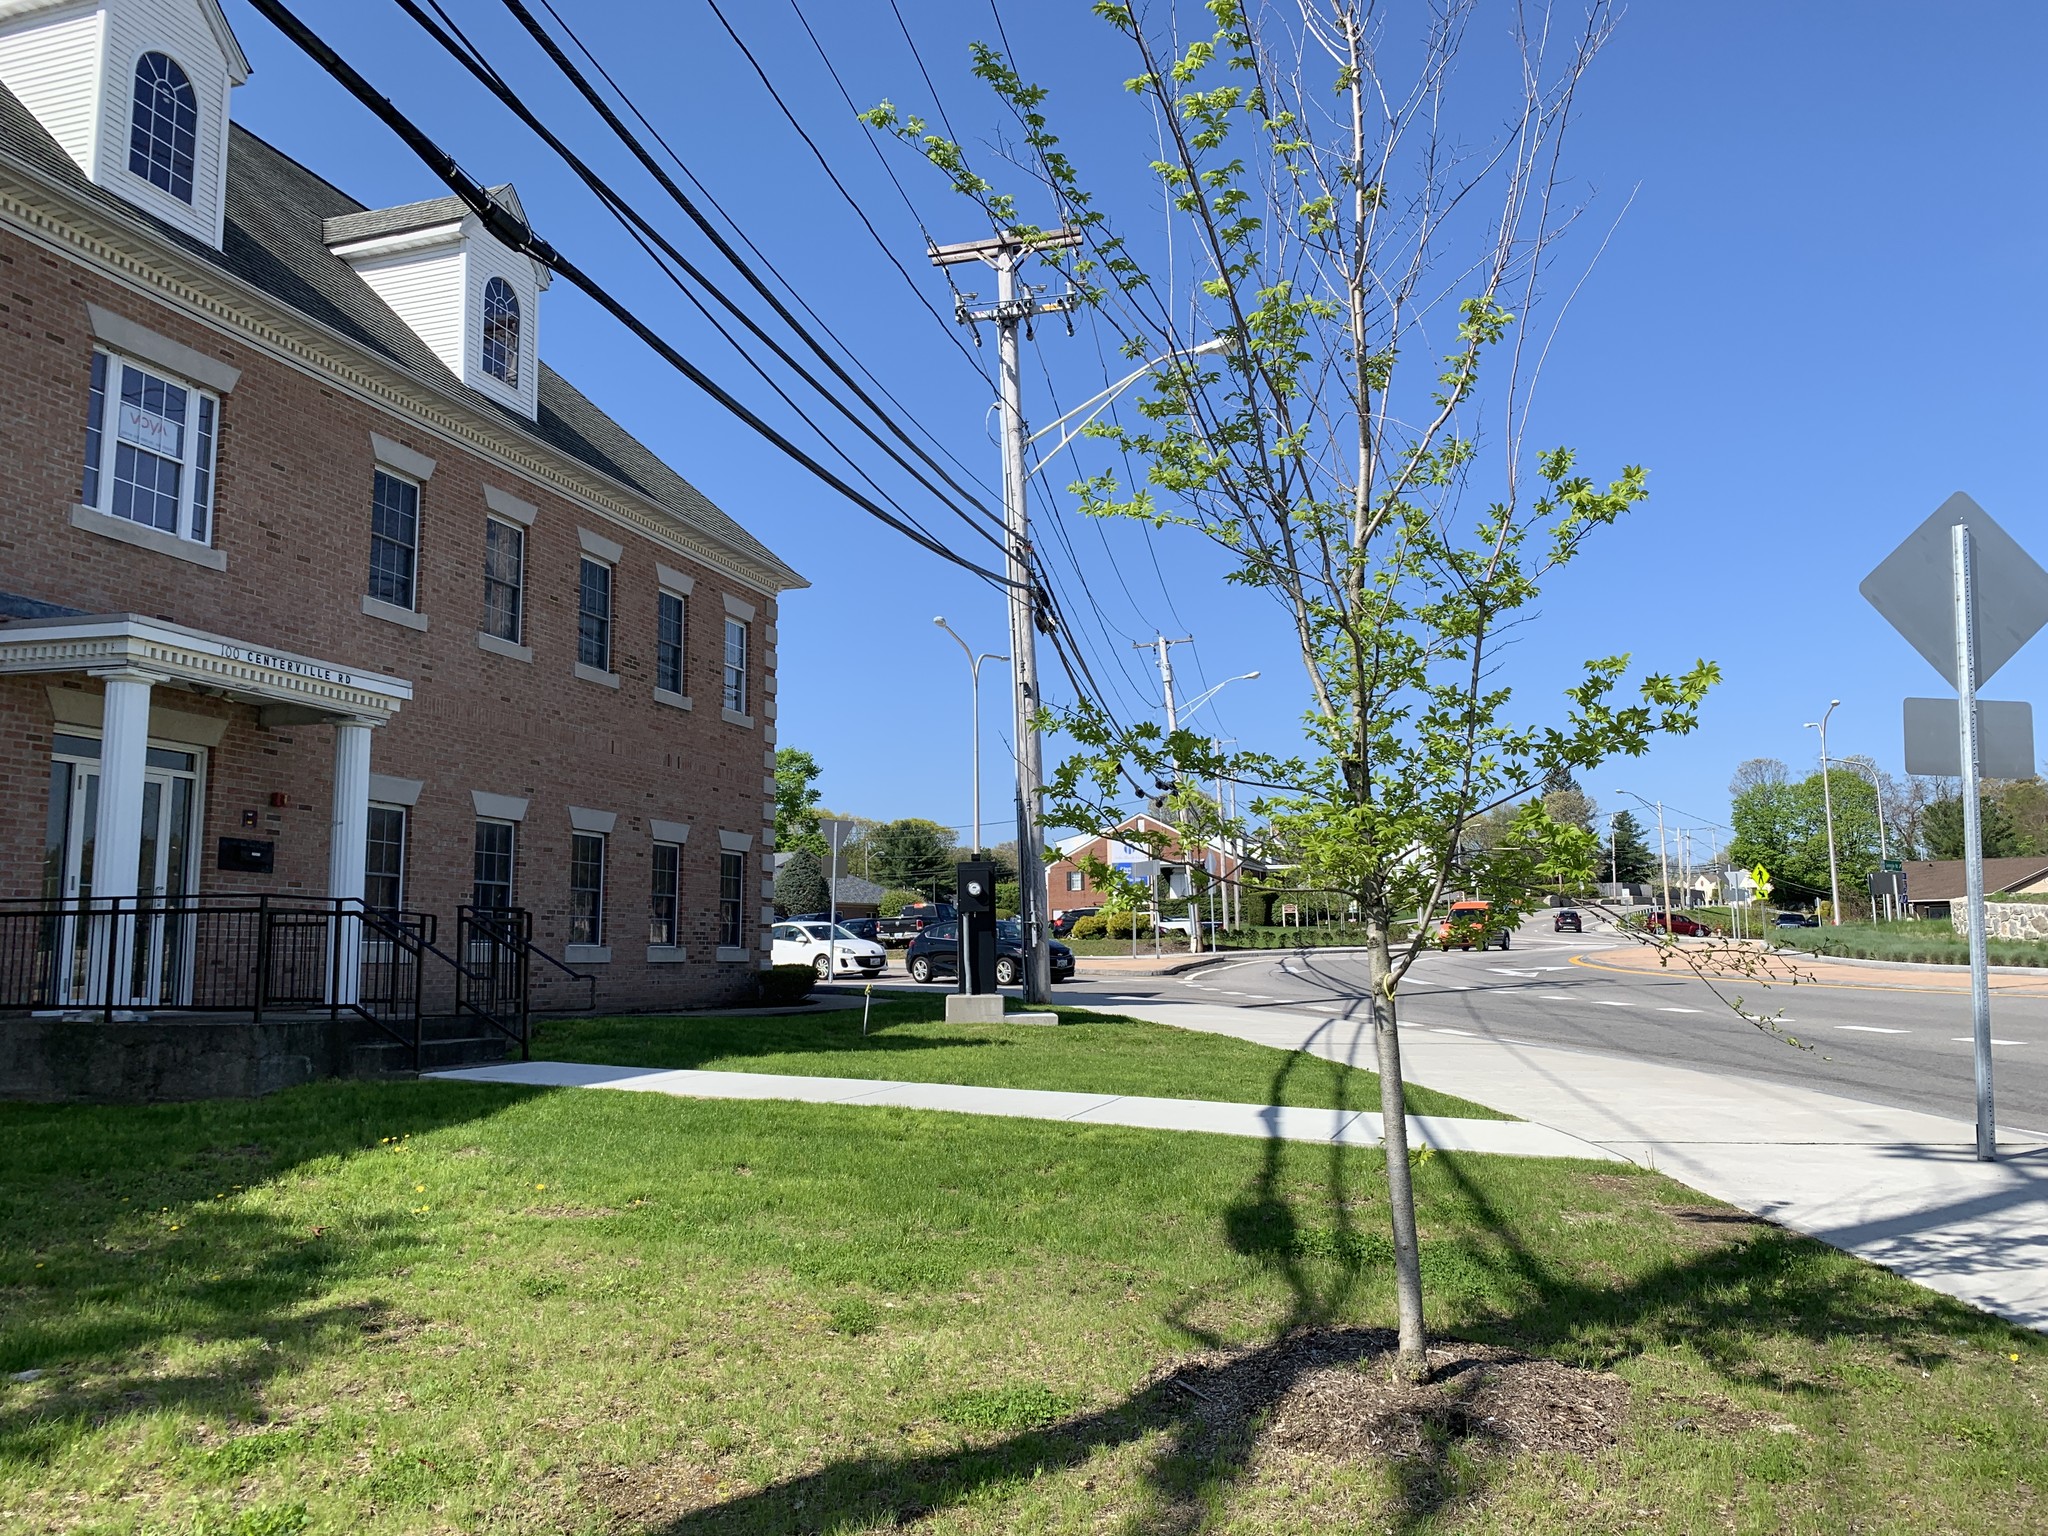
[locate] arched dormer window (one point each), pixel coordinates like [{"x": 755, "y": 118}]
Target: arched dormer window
[
  {"x": 501, "y": 331},
  {"x": 163, "y": 131}
]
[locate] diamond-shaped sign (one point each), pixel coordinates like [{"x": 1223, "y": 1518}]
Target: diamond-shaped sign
[{"x": 1915, "y": 590}]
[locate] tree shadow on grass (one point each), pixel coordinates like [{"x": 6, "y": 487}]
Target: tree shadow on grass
[
  {"x": 1726, "y": 1302},
  {"x": 130, "y": 1287}
]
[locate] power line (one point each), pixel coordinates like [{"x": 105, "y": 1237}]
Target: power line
[
  {"x": 711, "y": 232},
  {"x": 628, "y": 215},
  {"x": 762, "y": 256},
  {"x": 833, "y": 176},
  {"x": 513, "y": 232}
]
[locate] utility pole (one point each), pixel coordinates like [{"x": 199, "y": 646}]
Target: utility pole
[
  {"x": 1664, "y": 862},
  {"x": 1017, "y": 305},
  {"x": 1827, "y": 800},
  {"x": 1163, "y": 648}
]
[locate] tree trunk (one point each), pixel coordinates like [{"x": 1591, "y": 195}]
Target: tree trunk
[{"x": 1414, "y": 1359}]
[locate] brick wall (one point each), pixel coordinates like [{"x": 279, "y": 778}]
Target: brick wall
[{"x": 293, "y": 519}]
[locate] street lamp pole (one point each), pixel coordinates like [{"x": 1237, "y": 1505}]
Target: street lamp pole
[
  {"x": 1827, "y": 800},
  {"x": 974, "y": 712}
]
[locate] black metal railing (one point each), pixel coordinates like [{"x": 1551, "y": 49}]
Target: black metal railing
[
  {"x": 494, "y": 956},
  {"x": 257, "y": 955}
]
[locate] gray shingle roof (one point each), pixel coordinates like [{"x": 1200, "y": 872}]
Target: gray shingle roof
[{"x": 275, "y": 240}]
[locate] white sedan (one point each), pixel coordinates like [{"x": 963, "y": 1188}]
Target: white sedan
[{"x": 826, "y": 949}]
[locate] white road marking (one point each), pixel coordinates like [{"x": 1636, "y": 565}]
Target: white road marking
[
  {"x": 1862, "y": 1029},
  {"x": 1608, "y": 1002},
  {"x": 1678, "y": 1010},
  {"x": 1555, "y": 997},
  {"x": 1501, "y": 970},
  {"x": 1443, "y": 1029},
  {"x": 1972, "y": 1040}
]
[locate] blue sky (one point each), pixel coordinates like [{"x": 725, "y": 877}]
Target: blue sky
[{"x": 1815, "y": 321}]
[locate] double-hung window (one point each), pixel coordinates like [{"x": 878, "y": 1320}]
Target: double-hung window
[
  {"x": 491, "y": 886},
  {"x": 149, "y": 444},
  {"x": 394, "y": 540},
  {"x": 504, "y": 579},
  {"x": 1075, "y": 880},
  {"x": 732, "y": 900},
  {"x": 586, "y": 888},
  {"x": 665, "y": 899},
  {"x": 384, "y": 873},
  {"x": 594, "y": 615},
  {"x": 668, "y": 643},
  {"x": 736, "y": 665}
]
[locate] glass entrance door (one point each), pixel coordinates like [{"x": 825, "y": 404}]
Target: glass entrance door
[{"x": 161, "y": 972}]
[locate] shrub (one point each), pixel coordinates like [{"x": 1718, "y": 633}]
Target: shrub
[
  {"x": 1114, "y": 925},
  {"x": 894, "y": 901},
  {"x": 785, "y": 984}
]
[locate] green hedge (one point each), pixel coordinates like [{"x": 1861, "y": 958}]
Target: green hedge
[{"x": 782, "y": 985}]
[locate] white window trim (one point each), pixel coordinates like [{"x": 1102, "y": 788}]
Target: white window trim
[
  {"x": 376, "y": 607},
  {"x": 149, "y": 537},
  {"x": 600, "y": 953},
  {"x": 584, "y": 669},
  {"x": 498, "y": 644}
]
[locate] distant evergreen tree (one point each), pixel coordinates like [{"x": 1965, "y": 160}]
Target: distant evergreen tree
[
  {"x": 1627, "y": 854},
  {"x": 800, "y": 885}
]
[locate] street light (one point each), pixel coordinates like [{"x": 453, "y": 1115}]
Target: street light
[
  {"x": 974, "y": 677},
  {"x": 1827, "y": 800},
  {"x": 1202, "y": 698},
  {"x": 1663, "y": 858},
  {"x": 1174, "y": 715},
  {"x": 1095, "y": 405}
]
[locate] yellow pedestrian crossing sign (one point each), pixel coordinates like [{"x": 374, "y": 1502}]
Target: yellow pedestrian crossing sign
[{"x": 1761, "y": 879}]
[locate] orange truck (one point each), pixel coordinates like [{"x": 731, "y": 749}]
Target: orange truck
[{"x": 1470, "y": 923}]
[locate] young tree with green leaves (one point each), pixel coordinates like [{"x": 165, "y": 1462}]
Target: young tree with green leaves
[
  {"x": 796, "y": 802},
  {"x": 1359, "y": 454}
]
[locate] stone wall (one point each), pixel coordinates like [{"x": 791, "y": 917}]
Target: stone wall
[{"x": 2005, "y": 919}]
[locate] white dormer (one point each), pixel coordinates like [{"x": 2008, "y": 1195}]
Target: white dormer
[
  {"x": 136, "y": 91},
  {"x": 469, "y": 298}
]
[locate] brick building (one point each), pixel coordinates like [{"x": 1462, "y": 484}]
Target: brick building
[
  {"x": 315, "y": 580},
  {"x": 1164, "y": 865}
]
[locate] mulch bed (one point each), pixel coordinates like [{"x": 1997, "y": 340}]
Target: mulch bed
[{"x": 1335, "y": 1393}]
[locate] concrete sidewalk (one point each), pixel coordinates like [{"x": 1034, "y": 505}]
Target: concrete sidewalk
[
  {"x": 1897, "y": 1187},
  {"x": 1506, "y": 1138}
]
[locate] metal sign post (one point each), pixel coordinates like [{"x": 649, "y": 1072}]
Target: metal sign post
[
  {"x": 1993, "y": 608},
  {"x": 1973, "y": 837}
]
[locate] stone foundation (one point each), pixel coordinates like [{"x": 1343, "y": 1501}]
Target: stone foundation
[{"x": 59, "y": 1061}]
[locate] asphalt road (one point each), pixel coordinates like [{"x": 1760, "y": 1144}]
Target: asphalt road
[{"x": 1869, "y": 1042}]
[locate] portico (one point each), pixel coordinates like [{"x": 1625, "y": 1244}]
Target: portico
[{"x": 115, "y": 825}]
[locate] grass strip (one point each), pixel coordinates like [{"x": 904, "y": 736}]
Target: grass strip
[
  {"x": 907, "y": 1039},
  {"x": 1921, "y": 941},
  {"x": 382, "y": 1309}
]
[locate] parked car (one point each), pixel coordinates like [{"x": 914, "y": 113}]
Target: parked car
[
  {"x": 1676, "y": 923},
  {"x": 935, "y": 953},
  {"x": 1063, "y": 922},
  {"x": 1796, "y": 920},
  {"x": 1567, "y": 921},
  {"x": 825, "y": 949},
  {"x": 912, "y": 921},
  {"x": 1469, "y": 923},
  {"x": 860, "y": 927}
]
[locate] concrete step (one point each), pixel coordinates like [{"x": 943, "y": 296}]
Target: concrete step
[{"x": 388, "y": 1058}]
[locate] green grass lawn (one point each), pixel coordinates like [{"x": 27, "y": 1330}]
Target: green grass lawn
[
  {"x": 1928, "y": 942},
  {"x": 439, "y": 1307},
  {"x": 908, "y": 1040}
]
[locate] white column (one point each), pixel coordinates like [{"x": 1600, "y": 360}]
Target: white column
[
  {"x": 348, "y": 846},
  {"x": 117, "y": 828}
]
